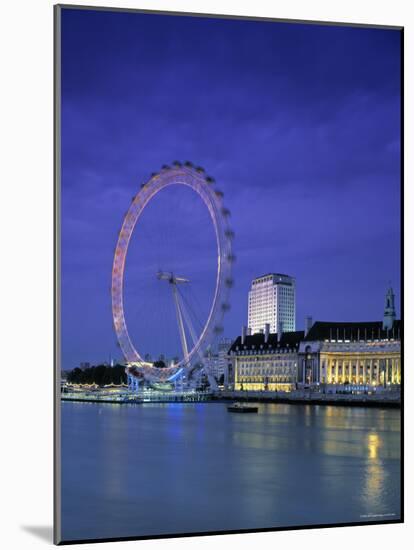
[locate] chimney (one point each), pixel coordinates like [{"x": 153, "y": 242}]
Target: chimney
[
  {"x": 280, "y": 332},
  {"x": 243, "y": 335},
  {"x": 308, "y": 324},
  {"x": 266, "y": 332}
]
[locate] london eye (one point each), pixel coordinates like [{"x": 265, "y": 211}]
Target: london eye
[{"x": 195, "y": 339}]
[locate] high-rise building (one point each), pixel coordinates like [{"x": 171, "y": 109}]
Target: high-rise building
[{"x": 272, "y": 300}]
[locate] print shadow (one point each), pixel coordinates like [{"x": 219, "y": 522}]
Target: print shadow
[{"x": 43, "y": 532}]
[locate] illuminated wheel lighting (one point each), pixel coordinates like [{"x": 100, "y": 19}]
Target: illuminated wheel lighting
[{"x": 195, "y": 178}]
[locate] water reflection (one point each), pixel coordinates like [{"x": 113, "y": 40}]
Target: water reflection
[
  {"x": 375, "y": 477},
  {"x": 150, "y": 469},
  {"x": 373, "y": 443}
]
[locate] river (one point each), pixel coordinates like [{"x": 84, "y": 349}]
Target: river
[{"x": 150, "y": 469}]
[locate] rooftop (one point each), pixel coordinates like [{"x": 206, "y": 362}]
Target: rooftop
[
  {"x": 365, "y": 330},
  {"x": 289, "y": 340},
  {"x": 273, "y": 275}
]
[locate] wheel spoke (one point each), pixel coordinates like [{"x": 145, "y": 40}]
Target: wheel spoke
[{"x": 194, "y": 177}]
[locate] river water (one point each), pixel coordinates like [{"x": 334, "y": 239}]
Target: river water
[{"x": 139, "y": 470}]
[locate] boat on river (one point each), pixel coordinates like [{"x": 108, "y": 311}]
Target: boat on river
[{"x": 241, "y": 408}]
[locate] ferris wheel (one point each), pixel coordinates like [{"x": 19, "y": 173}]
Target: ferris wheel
[{"x": 195, "y": 341}]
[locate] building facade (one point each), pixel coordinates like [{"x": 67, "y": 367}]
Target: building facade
[
  {"x": 216, "y": 361},
  {"x": 358, "y": 356},
  {"x": 272, "y": 300},
  {"x": 328, "y": 356},
  {"x": 264, "y": 362},
  {"x": 223, "y": 349},
  {"x": 355, "y": 356},
  {"x": 211, "y": 363}
]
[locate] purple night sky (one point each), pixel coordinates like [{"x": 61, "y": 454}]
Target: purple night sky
[{"x": 300, "y": 127}]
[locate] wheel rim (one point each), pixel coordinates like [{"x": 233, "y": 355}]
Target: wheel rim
[{"x": 213, "y": 200}]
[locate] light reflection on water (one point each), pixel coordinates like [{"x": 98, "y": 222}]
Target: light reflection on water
[{"x": 150, "y": 469}]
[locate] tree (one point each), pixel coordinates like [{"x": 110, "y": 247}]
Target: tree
[
  {"x": 75, "y": 376},
  {"x": 100, "y": 375}
]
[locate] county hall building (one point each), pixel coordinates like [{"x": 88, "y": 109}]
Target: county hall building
[{"x": 331, "y": 356}]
